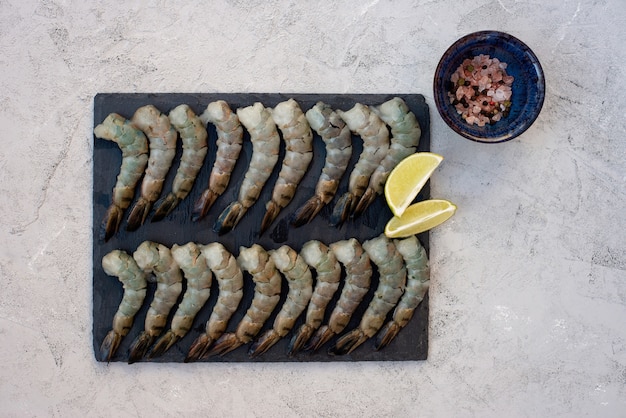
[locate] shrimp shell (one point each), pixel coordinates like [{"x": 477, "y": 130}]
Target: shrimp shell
[
  {"x": 321, "y": 258},
  {"x": 229, "y": 143},
  {"x": 392, "y": 279},
  {"x": 198, "y": 277},
  {"x": 375, "y": 135},
  {"x": 267, "y": 283},
  {"x": 193, "y": 135},
  {"x": 357, "y": 282},
  {"x": 230, "y": 282},
  {"x": 156, "y": 258},
  {"x": 265, "y": 148},
  {"x": 405, "y": 137},
  {"x": 298, "y": 155},
  {"x": 120, "y": 264},
  {"x": 300, "y": 281},
  {"x": 418, "y": 281},
  {"x": 162, "y": 141},
  {"x": 338, "y": 140},
  {"x": 134, "y": 146}
]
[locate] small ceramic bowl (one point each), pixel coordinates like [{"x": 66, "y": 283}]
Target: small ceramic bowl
[{"x": 528, "y": 89}]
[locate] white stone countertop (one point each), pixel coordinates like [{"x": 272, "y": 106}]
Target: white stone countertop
[{"x": 528, "y": 293}]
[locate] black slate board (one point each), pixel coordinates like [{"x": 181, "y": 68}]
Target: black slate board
[{"x": 177, "y": 228}]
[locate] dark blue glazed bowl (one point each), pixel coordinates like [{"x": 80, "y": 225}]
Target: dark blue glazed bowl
[{"x": 528, "y": 87}]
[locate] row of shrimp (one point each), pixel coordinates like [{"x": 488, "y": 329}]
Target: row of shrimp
[
  {"x": 148, "y": 142},
  {"x": 313, "y": 276}
]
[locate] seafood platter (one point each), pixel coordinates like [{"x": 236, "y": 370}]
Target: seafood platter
[{"x": 249, "y": 228}]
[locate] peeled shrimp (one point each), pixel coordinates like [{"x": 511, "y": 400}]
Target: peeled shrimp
[
  {"x": 265, "y": 147},
  {"x": 300, "y": 281},
  {"x": 267, "y": 282},
  {"x": 405, "y": 137},
  {"x": 375, "y": 135},
  {"x": 118, "y": 263},
  {"x": 384, "y": 254},
  {"x": 162, "y": 141},
  {"x": 230, "y": 282},
  {"x": 194, "y": 138},
  {"x": 338, "y": 139},
  {"x": 198, "y": 278},
  {"x": 418, "y": 281},
  {"x": 321, "y": 258},
  {"x": 156, "y": 258},
  {"x": 229, "y": 142},
  {"x": 358, "y": 277},
  {"x": 298, "y": 155},
  {"x": 134, "y": 146}
]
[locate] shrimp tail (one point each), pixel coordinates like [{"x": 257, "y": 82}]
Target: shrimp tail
[
  {"x": 165, "y": 207},
  {"x": 138, "y": 214},
  {"x": 203, "y": 204},
  {"x": 139, "y": 347},
  {"x": 111, "y": 222},
  {"x": 387, "y": 334},
  {"x": 342, "y": 209},
  {"x": 321, "y": 337},
  {"x": 225, "y": 344},
  {"x": 307, "y": 212},
  {"x": 163, "y": 344},
  {"x": 228, "y": 218},
  {"x": 263, "y": 343},
  {"x": 348, "y": 343},
  {"x": 273, "y": 209},
  {"x": 109, "y": 345},
  {"x": 299, "y": 339},
  {"x": 199, "y": 348},
  {"x": 366, "y": 200}
]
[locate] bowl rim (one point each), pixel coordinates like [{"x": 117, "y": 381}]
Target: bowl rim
[{"x": 477, "y": 37}]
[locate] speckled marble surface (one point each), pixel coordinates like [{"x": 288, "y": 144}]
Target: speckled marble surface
[{"x": 528, "y": 293}]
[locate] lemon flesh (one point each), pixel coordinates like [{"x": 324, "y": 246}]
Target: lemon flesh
[
  {"x": 407, "y": 179},
  {"x": 420, "y": 217}
]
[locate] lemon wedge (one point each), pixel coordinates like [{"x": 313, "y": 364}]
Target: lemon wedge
[
  {"x": 420, "y": 217},
  {"x": 407, "y": 179}
]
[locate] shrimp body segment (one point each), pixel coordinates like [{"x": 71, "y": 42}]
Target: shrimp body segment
[
  {"x": 298, "y": 155},
  {"x": 338, "y": 140},
  {"x": 157, "y": 259},
  {"x": 230, "y": 283},
  {"x": 162, "y": 142},
  {"x": 418, "y": 281},
  {"x": 319, "y": 257},
  {"x": 375, "y": 135},
  {"x": 134, "y": 147},
  {"x": 300, "y": 281},
  {"x": 120, "y": 264},
  {"x": 385, "y": 256},
  {"x": 193, "y": 136},
  {"x": 405, "y": 137},
  {"x": 265, "y": 148},
  {"x": 229, "y": 143},
  {"x": 198, "y": 277},
  {"x": 267, "y": 284}
]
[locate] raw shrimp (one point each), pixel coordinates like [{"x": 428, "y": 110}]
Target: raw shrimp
[
  {"x": 298, "y": 155},
  {"x": 265, "y": 147},
  {"x": 358, "y": 277},
  {"x": 162, "y": 141},
  {"x": 392, "y": 279},
  {"x": 405, "y": 137},
  {"x": 156, "y": 258},
  {"x": 300, "y": 281},
  {"x": 375, "y": 135},
  {"x": 193, "y": 135},
  {"x": 321, "y": 258},
  {"x": 134, "y": 146},
  {"x": 229, "y": 142},
  {"x": 230, "y": 282},
  {"x": 120, "y": 264},
  {"x": 267, "y": 282},
  {"x": 198, "y": 276},
  {"x": 338, "y": 140},
  {"x": 418, "y": 281}
]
